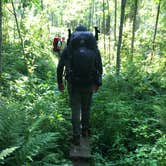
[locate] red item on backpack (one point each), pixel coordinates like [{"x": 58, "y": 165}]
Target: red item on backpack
[{"x": 57, "y": 44}]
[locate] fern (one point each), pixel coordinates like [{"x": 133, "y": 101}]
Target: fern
[
  {"x": 34, "y": 146},
  {"x": 36, "y": 125},
  {"x": 12, "y": 125},
  {"x": 18, "y": 129},
  {"x": 7, "y": 152}
]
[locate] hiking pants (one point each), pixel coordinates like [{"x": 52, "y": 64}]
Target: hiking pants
[{"x": 80, "y": 102}]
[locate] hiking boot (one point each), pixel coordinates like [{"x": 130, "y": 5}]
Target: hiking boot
[{"x": 76, "y": 140}]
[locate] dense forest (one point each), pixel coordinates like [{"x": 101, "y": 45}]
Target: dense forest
[{"x": 128, "y": 113}]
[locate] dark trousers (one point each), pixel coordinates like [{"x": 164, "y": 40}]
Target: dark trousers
[{"x": 80, "y": 102}]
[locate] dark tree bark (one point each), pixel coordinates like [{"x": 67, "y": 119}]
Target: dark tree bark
[
  {"x": 118, "y": 58},
  {"x": 108, "y": 19},
  {"x": 108, "y": 30},
  {"x": 115, "y": 28},
  {"x": 52, "y": 18},
  {"x": 0, "y": 37},
  {"x": 134, "y": 28},
  {"x": 104, "y": 24},
  {"x": 18, "y": 28},
  {"x": 115, "y": 18},
  {"x": 91, "y": 14},
  {"x": 155, "y": 30},
  {"x": 42, "y": 5}
]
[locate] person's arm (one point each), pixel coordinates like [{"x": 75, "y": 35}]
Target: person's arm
[
  {"x": 99, "y": 67},
  {"x": 60, "y": 70}
]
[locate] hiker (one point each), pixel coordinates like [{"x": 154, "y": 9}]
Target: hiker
[
  {"x": 57, "y": 45},
  {"x": 83, "y": 72}
]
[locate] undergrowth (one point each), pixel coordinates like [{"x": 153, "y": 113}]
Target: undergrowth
[{"x": 128, "y": 117}]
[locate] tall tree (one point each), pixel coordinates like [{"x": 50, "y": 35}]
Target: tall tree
[
  {"x": 108, "y": 18},
  {"x": 115, "y": 28},
  {"x": 91, "y": 13},
  {"x": 42, "y": 5},
  {"x": 118, "y": 58},
  {"x": 104, "y": 29},
  {"x": 108, "y": 30},
  {"x": 18, "y": 28},
  {"x": 156, "y": 24},
  {"x": 0, "y": 37},
  {"x": 115, "y": 18},
  {"x": 133, "y": 29}
]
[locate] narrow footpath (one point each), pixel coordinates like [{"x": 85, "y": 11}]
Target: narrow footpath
[{"x": 81, "y": 155}]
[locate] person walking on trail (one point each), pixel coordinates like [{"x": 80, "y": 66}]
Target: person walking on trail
[{"x": 83, "y": 72}]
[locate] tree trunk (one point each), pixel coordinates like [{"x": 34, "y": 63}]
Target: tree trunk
[
  {"x": 115, "y": 18},
  {"x": 108, "y": 30},
  {"x": 52, "y": 18},
  {"x": 42, "y": 5},
  {"x": 115, "y": 26},
  {"x": 104, "y": 25},
  {"x": 118, "y": 59},
  {"x": 133, "y": 30},
  {"x": 91, "y": 14},
  {"x": 156, "y": 24},
  {"x": 0, "y": 37},
  {"x": 18, "y": 28},
  {"x": 108, "y": 19}
]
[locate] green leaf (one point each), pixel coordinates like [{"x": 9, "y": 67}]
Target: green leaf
[{"x": 7, "y": 152}]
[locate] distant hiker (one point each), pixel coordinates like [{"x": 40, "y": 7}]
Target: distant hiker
[
  {"x": 57, "y": 45},
  {"x": 83, "y": 72}
]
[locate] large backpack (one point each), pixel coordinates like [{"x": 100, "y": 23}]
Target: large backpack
[{"x": 82, "y": 51}]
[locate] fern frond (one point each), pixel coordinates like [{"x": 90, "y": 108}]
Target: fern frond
[
  {"x": 35, "y": 145},
  {"x": 37, "y": 124},
  {"x": 7, "y": 152},
  {"x": 12, "y": 125}
]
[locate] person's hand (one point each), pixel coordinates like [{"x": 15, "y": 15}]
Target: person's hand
[
  {"x": 61, "y": 87},
  {"x": 95, "y": 88}
]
